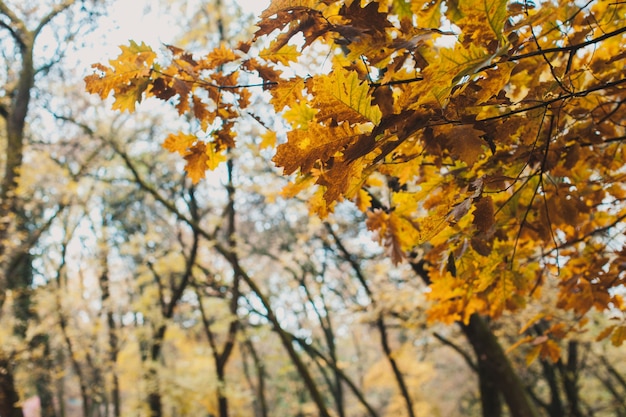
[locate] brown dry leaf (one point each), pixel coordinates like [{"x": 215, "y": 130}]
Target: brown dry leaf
[
  {"x": 484, "y": 214},
  {"x": 197, "y": 162}
]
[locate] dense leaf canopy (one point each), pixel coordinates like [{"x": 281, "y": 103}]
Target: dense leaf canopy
[{"x": 483, "y": 137}]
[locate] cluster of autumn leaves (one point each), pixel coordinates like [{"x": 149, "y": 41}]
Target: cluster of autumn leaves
[{"x": 483, "y": 137}]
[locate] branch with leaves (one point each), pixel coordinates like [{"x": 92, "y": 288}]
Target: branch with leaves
[{"x": 487, "y": 142}]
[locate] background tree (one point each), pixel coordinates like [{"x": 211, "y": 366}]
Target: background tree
[{"x": 23, "y": 217}]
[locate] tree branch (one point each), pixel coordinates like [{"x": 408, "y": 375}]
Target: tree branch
[
  {"x": 51, "y": 15},
  {"x": 570, "y": 48},
  {"x": 313, "y": 352},
  {"x": 18, "y": 30},
  {"x": 583, "y": 93},
  {"x": 466, "y": 356}
]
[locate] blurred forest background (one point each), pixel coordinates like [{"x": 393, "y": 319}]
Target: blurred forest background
[{"x": 127, "y": 291}]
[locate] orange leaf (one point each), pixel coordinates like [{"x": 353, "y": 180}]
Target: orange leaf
[
  {"x": 197, "y": 162},
  {"x": 219, "y": 56},
  {"x": 317, "y": 143},
  {"x": 605, "y": 333},
  {"x": 179, "y": 142},
  {"x": 550, "y": 349},
  {"x": 618, "y": 336}
]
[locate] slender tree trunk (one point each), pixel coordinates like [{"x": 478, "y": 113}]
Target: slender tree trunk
[
  {"x": 259, "y": 401},
  {"x": 555, "y": 407},
  {"x": 8, "y": 395},
  {"x": 154, "y": 395},
  {"x": 569, "y": 376},
  {"x": 285, "y": 339},
  {"x": 111, "y": 328},
  {"x": 154, "y": 399},
  {"x": 404, "y": 391},
  {"x": 43, "y": 381},
  {"x": 84, "y": 391},
  {"x": 60, "y": 385},
  {"x": 497, "y": 367}
]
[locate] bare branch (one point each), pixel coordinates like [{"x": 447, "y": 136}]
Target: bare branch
[
  {"x": 51, "y": 15},
  {"x": 458, "y": 349},
  {"x": 17, "y": 29}
]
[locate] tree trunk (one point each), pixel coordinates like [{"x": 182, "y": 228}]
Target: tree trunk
[
  {"x": 497, "y": 368},
  {"x": 112, "y": 335},
  {"x": 154, "y": 394},
  {"x": 154, "y": 400},
  {"x": 9, "y": 398},
  {"x": 259, "y": 401},
  {"x": 490, "y": 399},
  {"x": 8, "y": 395},
  {"x": 494, "y": 367},
  {"x": 569, "y": 376},
  {"x": 43, "y": 380}
]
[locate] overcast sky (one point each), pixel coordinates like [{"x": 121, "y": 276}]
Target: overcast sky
[{"x": 128, "y": 20}]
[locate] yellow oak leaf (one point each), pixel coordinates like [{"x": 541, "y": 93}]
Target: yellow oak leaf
[
  {"x": 284, "y": 55},
  {"x": 618, "y": 336},
  {"x": 428, "y": 13},
  {"x": 363, "y": 200},
  {"x": 342, "y": 179},
  {"x": 343, "y": 97},
  {"x": 299, "y": 115},
  {"x": 134, "y": 61},
  {"x": 287, "y": 93},
  {"x": 494, "y": 81},
  {"x": 317, "y": 143},
  {"x": 127, "y": 96},
  {"x": 200, "y": 158},
  {"x": 433, "y": 224},
  {"x": 268, "y": 139},
  {"x": 127, "y": 76},
  {"x": 214, "y": 157},
  {"x": 532, "y": 354},
  {"x": 102, "y": 82},
  {"x": 483, "y": 20},
  {"x": 319, "y": 205},
  {"x": 286, "y": 5},
  {"x": 301, "y": 183},
  {"x": 606, "y": 332},
  {"x": 179, "y": 142},
  {"x": 449, "y": 66}
]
